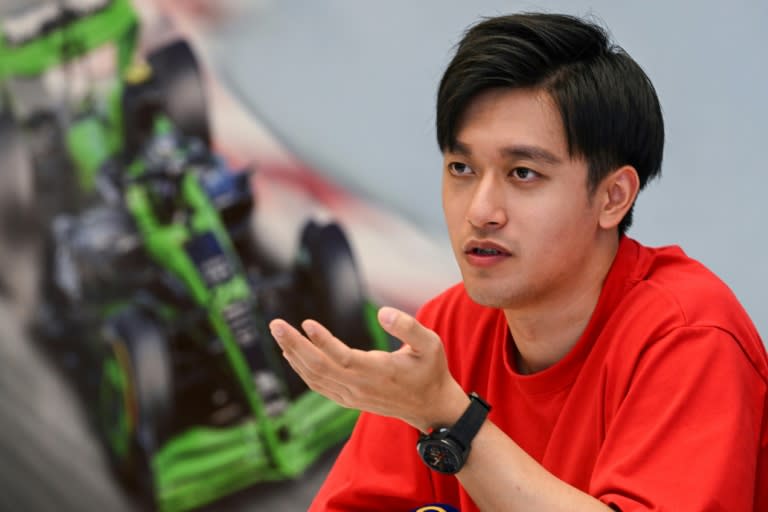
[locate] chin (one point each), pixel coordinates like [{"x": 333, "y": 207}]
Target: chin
[{"x": 491, "y": 298}]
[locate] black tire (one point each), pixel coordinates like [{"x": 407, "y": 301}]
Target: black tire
[
  {"x": 177, "y": 73},
  {"x": 135, "y": 397},
  {"x": 326, "y": 269}
]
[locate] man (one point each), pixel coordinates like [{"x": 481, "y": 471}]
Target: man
[{"x": 618, "y": 377}]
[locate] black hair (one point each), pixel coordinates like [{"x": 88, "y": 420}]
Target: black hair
[{"x": 609, "y": 107}]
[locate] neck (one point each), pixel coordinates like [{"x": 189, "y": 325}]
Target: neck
[{"x": 544, "y": 332}]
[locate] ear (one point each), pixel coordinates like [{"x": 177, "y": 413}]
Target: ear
[{"x": 617, "y": 192}]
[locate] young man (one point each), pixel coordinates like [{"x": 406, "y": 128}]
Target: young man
[{"x": 617, "y": 376}]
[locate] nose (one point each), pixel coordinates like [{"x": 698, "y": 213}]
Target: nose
[{"x": 487, "y": 208}]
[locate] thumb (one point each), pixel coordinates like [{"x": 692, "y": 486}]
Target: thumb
[{"x": 406, "y": 328}]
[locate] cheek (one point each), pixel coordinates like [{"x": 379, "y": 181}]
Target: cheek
[{"x": 557, "y": 224}]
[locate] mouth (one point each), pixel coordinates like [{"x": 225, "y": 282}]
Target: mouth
[
  {"x": 479, "y": 251},
  {"x": 485, "y": 249}
]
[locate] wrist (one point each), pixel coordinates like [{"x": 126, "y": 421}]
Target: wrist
[
  {"x": 446, "y": 449},
  {"x": 446, "y": 411}
]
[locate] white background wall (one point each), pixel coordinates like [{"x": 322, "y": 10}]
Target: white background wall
[{"x": 350, "y": 86}]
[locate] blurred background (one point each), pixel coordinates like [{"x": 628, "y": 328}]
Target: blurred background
[{"x": 332, "y": 102}]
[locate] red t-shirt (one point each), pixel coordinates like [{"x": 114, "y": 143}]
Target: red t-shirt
[{"x": 661, "y": 404}]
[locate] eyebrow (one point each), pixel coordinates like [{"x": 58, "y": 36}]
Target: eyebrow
[{"x": 517, "y": 151}]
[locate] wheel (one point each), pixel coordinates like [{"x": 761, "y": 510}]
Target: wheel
[
  {"x": 174, "y": 86},
  {"x": 326, "y": 269},
  {"x": 177, "y": 74},
  {"x": 19, "y": 227},
  {"x": 135, "y": 396}
]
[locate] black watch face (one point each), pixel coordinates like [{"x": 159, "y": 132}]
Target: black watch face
[{"x": 440, "y": 457}]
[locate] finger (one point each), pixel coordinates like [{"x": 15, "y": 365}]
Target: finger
[
  {"x": 306, "y": 360},
  {"x": 329, "y": 344},
  {"x": 315, "y": 367},
  {"x": 406, "y": 328},
  {"x": 285, "y": 334},
  {"x": 296, "y": 346},
  {"x": 311, "y": 377},
  {"x": 315, "y": 382},
  {"x": 345, "y": 369}
]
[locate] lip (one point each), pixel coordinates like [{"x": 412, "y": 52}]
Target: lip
[
  {"x": 485, "y": 260},
  {"x": 470, "y": 245}
]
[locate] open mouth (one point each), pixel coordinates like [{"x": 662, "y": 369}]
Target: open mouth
[
  {"x": 483, "y": 249},
  {"x": 480, "y": 251}
]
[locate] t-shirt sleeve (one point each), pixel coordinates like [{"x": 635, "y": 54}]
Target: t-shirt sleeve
[
  {"x": 686, "y": 434},
  {"x": 377, "y": 470}
]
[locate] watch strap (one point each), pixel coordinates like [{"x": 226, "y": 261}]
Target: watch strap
[{"x": 466, "y": 428}]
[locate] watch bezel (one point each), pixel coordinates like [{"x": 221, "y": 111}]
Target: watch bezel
[
  {"x": 455, "y": 440},
  {"x": 441, "y": 438}
]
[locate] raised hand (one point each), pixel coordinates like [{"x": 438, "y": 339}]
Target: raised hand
[{"x": 412, "y": 383}]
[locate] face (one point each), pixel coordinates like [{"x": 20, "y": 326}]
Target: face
[{"x": 520, "y": 217}]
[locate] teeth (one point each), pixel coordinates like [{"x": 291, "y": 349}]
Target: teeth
[{"x": 486, "y": 252}]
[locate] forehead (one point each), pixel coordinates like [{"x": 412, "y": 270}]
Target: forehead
[{"x": 501, "y": 117}]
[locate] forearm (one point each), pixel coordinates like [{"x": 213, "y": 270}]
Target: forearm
[{"x": 500, "y": 476}]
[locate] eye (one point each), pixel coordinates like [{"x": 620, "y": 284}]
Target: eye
[
  {"x": 459, "y": 169},
  {"x": 524, "y": 174}
]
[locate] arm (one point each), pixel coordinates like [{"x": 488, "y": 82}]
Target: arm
[
  {"x": 499, "y": 475},
  {"x": 414, "y": 385}
]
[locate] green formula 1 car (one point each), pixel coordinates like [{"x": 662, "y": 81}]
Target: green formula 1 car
[{"x": 153, "y": 290}]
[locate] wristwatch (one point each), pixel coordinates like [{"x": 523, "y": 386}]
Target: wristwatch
[{"x": 446, "y": 449}]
